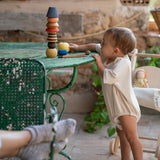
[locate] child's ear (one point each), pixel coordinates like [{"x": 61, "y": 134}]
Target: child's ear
[{"x": 117, "y": 51}]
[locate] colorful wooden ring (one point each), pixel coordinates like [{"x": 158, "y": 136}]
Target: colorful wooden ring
[
  {"x": 51, "y": 25},
  {"x": 52, "y": 30},
  {"x": 62, "y": 52},
  {"x": 51, "y": 44},
  {"x": 51, "y": 53},
  {"x": 53, "y": 20},
  {"x": 52, "y": 40},
  {"x": 63, "y": 45},
  {"x": 52, "y": 35}
]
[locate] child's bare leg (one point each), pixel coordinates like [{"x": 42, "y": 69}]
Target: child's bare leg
[
  {"x": 12, "y": 141},
  {"x": 129, "y": 126},
  {"x": 125, "y": 146}
]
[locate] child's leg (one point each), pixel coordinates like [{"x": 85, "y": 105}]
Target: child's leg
[
  {"x": 129, "y": 126},
  {"x": 125, "y": 146},
  {"x": 12, "y": 141}
]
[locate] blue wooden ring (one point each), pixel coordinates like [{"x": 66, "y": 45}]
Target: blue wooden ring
[{"x": 62, "y": 52}]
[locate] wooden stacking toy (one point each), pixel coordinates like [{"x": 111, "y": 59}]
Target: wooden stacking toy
[{"x": 52, "y": 29}]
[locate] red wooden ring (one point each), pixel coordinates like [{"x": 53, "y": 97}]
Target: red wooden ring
[{"x": 52, "y": 30}]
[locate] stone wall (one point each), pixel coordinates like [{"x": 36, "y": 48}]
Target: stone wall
[{"x": 24, "y": 21}]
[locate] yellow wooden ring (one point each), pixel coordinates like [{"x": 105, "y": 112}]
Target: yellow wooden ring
[
  {"x": 63, "y": 45},
  {"x": 51, "y": 53}
]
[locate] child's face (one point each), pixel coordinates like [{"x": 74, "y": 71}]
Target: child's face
[{"x": 106, "y": 48}]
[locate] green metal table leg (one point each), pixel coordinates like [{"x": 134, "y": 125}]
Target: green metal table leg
[
  {"x": 67, "y": 86},
  {"x": 55, "y": 103},
  {"x": 66, "y": 155}
]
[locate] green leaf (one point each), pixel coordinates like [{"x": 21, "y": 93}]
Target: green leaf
[
  {"x": 92, "y": 76},
  {"x": 104, "y": 116},
  {"x": 111, "y": 131},
  {"x": 87, "y": 118},
  {"x": 143, "y": 51},
  {"x": 94, "y": 117},
  {"x": 97, "y": 82},
  {"x": 99, "y": 125},
  {"x": 94, "y": 67},
  {"x": 89, "y": 128},
  {"x": 99, "y": 103},
  {"x": 158, "y": 50},
  {"x": 97, "y": 109},
  {"x": 152, "y": 49}
]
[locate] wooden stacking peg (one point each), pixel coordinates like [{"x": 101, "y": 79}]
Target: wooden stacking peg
[{"x": 52, "y": 29}]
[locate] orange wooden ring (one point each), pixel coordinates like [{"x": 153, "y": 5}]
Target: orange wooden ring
[
  {"x": 52, "y": 25},
  {"x": 52, "y": 30},
  {"x": 53, "y": 20}
]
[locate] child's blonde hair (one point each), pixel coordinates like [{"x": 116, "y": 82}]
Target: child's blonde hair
[{"x": 123, "y": 38}]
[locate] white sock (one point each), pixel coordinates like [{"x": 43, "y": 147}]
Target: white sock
[
  {"x": 44, "y": 133},
  {"x": 65, "y": 129},
  {"x": 41, "y": 133},
  {"x": 40, "y": 151}
]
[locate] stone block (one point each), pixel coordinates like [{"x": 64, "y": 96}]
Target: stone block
[{"x": 71, "y": 23}]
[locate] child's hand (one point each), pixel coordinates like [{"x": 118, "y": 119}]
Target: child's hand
[
  {"x": 99, "y": 64},
  {"x": 98, "y": 58},
  {"x": 73, "y": 47}
]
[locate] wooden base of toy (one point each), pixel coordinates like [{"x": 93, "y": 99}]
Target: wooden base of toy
[
  {"x": 115, "y": 145},
  {"x": 158, "y": 148}
]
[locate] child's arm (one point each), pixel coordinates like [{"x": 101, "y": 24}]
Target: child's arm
[
  {"x": 83, "y": 47},
  {"x": 99, "y": 64}
]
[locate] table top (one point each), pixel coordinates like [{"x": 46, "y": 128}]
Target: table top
[{"x": 38, "y": 51}]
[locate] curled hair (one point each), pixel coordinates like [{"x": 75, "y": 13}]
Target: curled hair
[{"x": 121, "y": 37}]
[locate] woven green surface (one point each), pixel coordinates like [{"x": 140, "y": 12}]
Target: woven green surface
[
  {"x": 38, "y": 51},
  {"x": 22, "y": 90}
]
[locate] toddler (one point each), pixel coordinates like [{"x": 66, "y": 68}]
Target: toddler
[{"x": 114, "y": 67}]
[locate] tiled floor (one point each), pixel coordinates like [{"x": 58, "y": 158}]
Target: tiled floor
[{"x": 86, "y": 146}]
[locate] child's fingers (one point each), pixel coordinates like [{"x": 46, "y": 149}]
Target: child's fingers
[
  {"x": 71, "y": 44},
  {"x": 95, "y": 56},
  {"x": 71, "y": 48}
]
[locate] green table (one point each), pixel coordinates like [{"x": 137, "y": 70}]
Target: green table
[{"x": 38, "y": 51}]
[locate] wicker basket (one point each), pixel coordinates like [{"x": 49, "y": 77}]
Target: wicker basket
[{"x": 156, "y": 16}]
